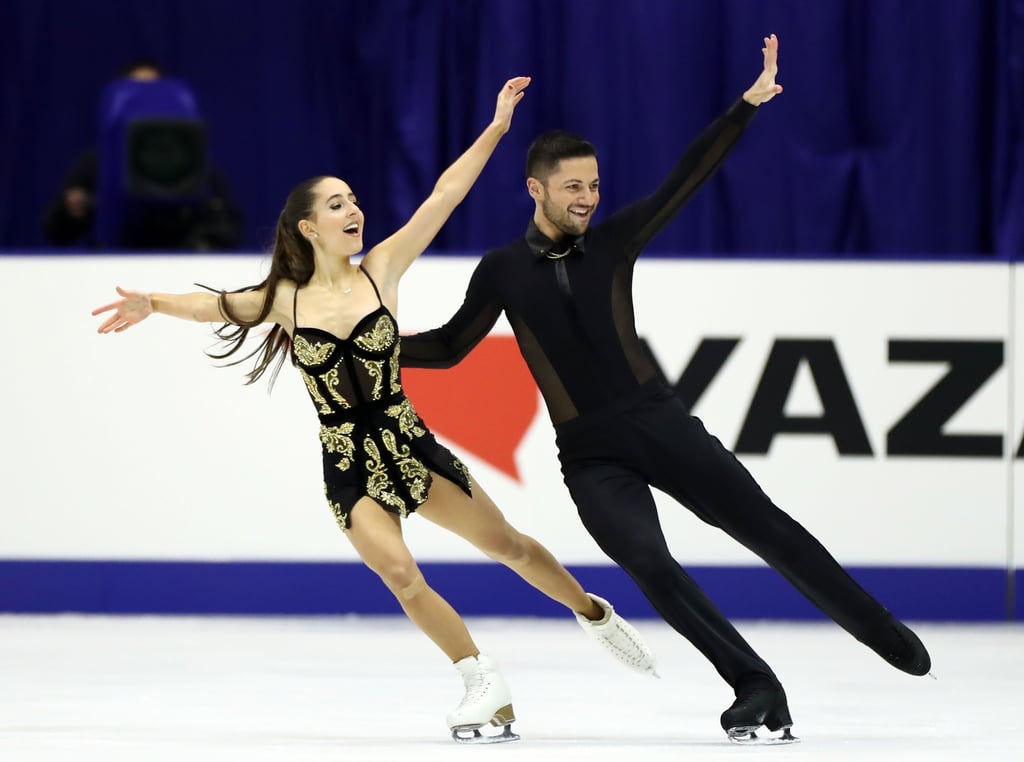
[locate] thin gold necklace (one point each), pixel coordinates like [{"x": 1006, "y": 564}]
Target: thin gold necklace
[{"x": 551, "y": 255}]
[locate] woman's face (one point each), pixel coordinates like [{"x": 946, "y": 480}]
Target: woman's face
[{"x": 337, "y": 218}]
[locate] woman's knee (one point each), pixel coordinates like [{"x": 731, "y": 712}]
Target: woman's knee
[
  {"x": 507, "y": 546},
  {"x": 399, "y": 575}
]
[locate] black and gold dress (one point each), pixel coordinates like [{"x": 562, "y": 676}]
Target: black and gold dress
[{"x": 374, "y": 443}]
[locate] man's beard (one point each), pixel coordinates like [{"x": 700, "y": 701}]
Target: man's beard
[{"x": 564, "y": 220}]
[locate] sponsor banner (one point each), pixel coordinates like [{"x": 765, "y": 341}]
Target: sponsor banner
[{"x": 870, "y": 400}]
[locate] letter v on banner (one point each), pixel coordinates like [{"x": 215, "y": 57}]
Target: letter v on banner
[
  {"x": 703, "y": 368},
  {"x": 766, "y": 416}
]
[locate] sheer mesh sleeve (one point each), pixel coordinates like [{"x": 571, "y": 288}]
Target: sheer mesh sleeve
[
  {"x": 445, "y": 346},
  {"x": 636, "y": 224}
]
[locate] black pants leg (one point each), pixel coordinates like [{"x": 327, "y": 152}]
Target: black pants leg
[
  {"x": 693, "y": 466},
  {"x": 618, "y": 510},
  {"x": 608, "y": 463}
]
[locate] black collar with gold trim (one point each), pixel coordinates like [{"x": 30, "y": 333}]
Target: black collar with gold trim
[{"x": 542, "y": 246}]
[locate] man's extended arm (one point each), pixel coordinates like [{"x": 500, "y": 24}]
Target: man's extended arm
[
  {"x": 446, "y": 346},
  {"x": 637, "y": 223}
]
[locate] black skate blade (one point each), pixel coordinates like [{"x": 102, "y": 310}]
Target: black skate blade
[
  {"x": 476, "y": 737},
  {"x": 747, "y": 736}
]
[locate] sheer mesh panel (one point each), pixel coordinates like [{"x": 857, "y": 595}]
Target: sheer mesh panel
[{"x": 560, "y": 405}]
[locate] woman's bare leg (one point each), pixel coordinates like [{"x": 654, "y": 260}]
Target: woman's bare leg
[
  {"x": 478, "y": 520},
  {"x": 377, "y": 537}
]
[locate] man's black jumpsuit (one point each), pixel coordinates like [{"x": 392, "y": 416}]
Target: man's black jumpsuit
[{"x": 621, "y": 430}]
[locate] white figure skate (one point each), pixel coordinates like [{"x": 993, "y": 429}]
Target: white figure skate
[
  {"x": 488, "y": 701},
  {"x": 620, "y": 638}
]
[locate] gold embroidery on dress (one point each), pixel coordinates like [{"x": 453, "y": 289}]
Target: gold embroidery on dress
[
  {"x": 414, "y": 474},
  {"x": 375, "y": 368},
  {"x": 338, "y": 439},
  {"x": 408, "y": 421},
  {"x": 378, "y": 338},
  {"x": 318, "y": 398},
  {"x": 396, "y": 383},
  {"x": 378, "y": 483},
  {"x": 339, "y": 515},
  {"x": 312, "y": 354},
  {"x": 331, "y": 380},
  {"x": 461, "y": 468}
]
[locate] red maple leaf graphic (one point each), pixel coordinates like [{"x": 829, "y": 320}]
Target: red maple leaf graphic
[{"x": 484, "y": 404}]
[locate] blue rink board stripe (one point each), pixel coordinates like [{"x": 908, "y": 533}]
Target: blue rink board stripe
[
  {"x": 1018, "y": 597},
  {"x": 475, "y": 589}
]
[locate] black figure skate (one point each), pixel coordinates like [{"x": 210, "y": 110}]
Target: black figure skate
[
  {"x": 758, "y": 703},
  {"x": 898, "y": 645}
]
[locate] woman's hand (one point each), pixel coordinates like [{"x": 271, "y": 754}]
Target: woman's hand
[
  {"x": 133, "y": 307},
  {"x": 508, "y": 98}
]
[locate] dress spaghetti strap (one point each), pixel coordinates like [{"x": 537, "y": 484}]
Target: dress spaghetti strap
[{"x": 379, "y": 300}]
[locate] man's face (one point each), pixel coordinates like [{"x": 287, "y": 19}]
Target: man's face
[{"x": 570, "y": 195}]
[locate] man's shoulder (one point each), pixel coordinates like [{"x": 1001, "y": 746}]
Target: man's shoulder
[
  {"x": 505, "y": 255},
  {"x": 499, "y": 267}
]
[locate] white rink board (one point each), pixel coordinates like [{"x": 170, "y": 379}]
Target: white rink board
[
  {"x": 952, "y": 510},
  {"x": 1016, "y": 520},
  {"x": 137, "y": 446}
]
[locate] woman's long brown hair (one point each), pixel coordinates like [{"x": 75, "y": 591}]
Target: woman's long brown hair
[{"x": 292, "y": 259}]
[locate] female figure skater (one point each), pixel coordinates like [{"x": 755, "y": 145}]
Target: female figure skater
[{"x": 336, "y": 319}]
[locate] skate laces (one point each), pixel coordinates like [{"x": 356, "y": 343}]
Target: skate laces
[
  {"x": 477, "y": 685},
  {"x": 620, "y": 639},
  {"x": 624, "y": 643}
]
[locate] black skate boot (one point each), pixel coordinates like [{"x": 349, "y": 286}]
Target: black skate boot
[
  {"x": 898, "y": 645},
  {"x": 758, "y": 702}
]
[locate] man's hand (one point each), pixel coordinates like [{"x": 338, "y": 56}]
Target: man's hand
[{"x": 764, "y": 88}]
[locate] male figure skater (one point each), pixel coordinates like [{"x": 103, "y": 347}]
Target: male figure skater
[{"x": 566, "y": 289}]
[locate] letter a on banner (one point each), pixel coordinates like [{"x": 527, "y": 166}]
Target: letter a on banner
[{"x": 767, "y": 417}]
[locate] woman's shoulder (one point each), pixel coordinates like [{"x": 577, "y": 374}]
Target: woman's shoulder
[{"x": 283, "y": 300}]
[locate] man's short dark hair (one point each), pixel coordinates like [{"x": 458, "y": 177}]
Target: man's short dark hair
[{"x": 549, "y": 148}]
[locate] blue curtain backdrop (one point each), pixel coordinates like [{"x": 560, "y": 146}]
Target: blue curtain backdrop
[{"x": 901, "y": 129}]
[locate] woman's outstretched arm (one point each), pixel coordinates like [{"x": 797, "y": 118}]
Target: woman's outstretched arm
[
  {"x": 202, "y": 307},
  {"x": 391, "y": 258}
]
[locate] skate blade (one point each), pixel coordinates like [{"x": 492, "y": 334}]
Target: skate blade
[
  {"x": 747, "y": 736},
  {"x": 503, "y": 718},
  {"x": 476, "y": 737}
]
